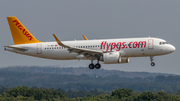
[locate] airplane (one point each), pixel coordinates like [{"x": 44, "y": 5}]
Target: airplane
[{"x": 108, "y": 51}]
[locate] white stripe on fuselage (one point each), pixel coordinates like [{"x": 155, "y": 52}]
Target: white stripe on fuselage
[{"x": 129, "y": 47}]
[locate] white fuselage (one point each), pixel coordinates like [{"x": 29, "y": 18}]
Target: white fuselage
[{"x": 128, "y": 47}]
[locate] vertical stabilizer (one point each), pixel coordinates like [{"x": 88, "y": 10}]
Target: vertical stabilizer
[{"x": 19, "y": 33}]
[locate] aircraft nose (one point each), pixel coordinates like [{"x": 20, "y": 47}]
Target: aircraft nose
[{"x": 172, "y": 48}]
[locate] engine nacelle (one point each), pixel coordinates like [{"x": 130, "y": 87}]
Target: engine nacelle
[
  {"x": 125, "y": 59},
  {"x": 114, "y": 57}
]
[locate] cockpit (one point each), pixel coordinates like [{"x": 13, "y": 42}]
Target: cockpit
[{"x": 162, "y": 43}]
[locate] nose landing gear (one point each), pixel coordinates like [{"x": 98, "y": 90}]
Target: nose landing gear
[{"x": 152, "y": 63}]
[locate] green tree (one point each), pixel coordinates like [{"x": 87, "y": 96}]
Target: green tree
[
  {"x": 146, "y": 96},
  {"x": 120, "y": 93}
]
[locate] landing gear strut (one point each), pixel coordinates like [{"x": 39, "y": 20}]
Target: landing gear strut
[
  {"x": 97, "y": 66},
  {"x": 152, "y": 63}
]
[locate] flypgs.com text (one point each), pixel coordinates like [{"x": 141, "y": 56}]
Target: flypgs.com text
[{"x": 121, "y": 45}]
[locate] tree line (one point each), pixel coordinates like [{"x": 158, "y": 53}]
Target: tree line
[
  {"x": 79, "y": 71},
  {"x": 25, "y": 93},
  {"x": 166, "y": 83}
]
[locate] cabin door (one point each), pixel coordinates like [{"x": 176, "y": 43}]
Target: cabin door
[
  {"x": 150, "y": 44},
  {"x": 39, "y": 48}
]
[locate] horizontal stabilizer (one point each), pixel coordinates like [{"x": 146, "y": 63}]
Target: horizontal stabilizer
[{"x": 18, "y": 48}]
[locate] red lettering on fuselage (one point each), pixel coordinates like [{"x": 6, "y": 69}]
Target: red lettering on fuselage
[
  {"x": 102, "y": 44},
  {"x": 123, "y": 44},
  {"x": 130, "y": 44},
  {"x": 30, "y": 37},
  {"x": 113, "y": 45},
  {"x": 141, "y": 43},
  {"x": 119, "y": 45},
  {"x": 135, "y": 44}
]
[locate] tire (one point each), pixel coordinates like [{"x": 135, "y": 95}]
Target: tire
[
  {"x": 97, "y": 66},
  {"x": 91, "y": 66},
  {"x": 152, "y": 64}
]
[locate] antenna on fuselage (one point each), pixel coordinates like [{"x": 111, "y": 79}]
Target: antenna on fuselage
[{"x": 149, "y": 36}]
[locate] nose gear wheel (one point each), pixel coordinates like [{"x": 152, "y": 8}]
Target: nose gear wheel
[{"x": 152, "y": 63}]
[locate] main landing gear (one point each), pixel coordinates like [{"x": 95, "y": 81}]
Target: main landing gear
[
  {"x": 152, "y": 63},
  {"x": 92, "y": 66}
]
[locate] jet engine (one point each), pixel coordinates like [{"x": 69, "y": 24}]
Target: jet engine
[
  {"x": 113, "y": 57},
  {"x": 125, "y": 59}
]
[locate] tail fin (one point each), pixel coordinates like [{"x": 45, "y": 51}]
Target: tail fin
[{"x": 19, "y": 33}]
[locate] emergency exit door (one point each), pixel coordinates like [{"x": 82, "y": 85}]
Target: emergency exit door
[
  {"x": 39, "y": 48},
  {"x": 150, "y": 44}
]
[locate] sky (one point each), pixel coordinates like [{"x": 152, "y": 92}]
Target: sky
[{"x": 97, "y": 19}]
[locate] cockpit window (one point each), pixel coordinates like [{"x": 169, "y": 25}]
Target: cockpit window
[{"x": 162, "y": 43}]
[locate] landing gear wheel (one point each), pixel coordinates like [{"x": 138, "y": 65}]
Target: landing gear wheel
[
  {"x": 152, "y": 64},
  {"x": 91, "y": 66},
  {"x": 97, "y": 66}
]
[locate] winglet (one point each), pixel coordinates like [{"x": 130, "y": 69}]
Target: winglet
[
  {"x": 59, "y": 42},
  {"x": 85, "y": 37}
]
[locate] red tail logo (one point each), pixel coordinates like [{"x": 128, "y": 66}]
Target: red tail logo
[{"x": 25, "y": 32}]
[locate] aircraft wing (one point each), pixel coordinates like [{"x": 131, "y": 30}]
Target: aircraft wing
[{"x": 86, "y": 52}]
